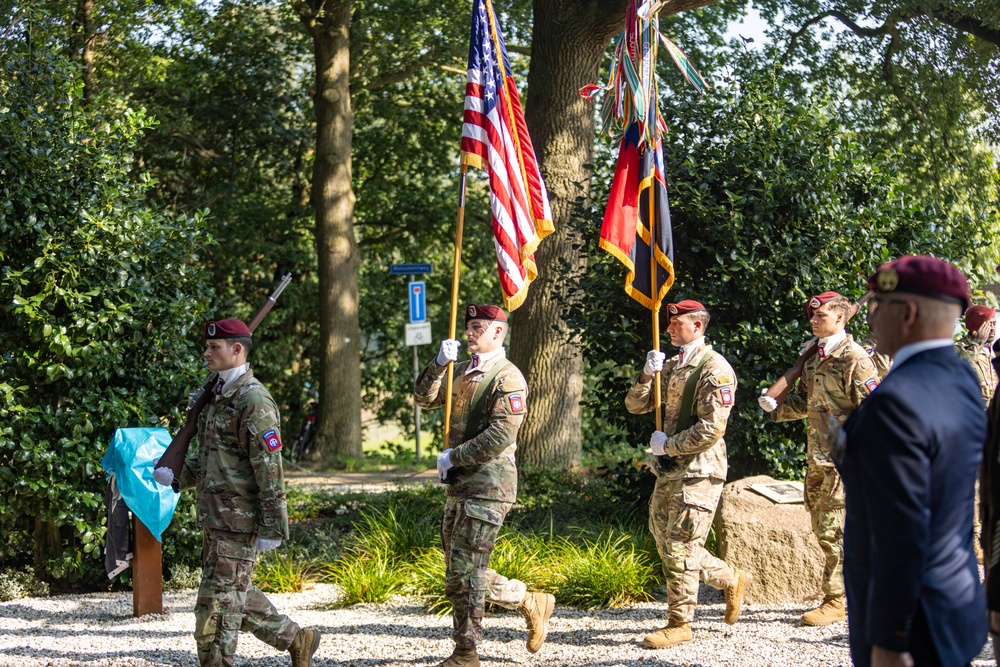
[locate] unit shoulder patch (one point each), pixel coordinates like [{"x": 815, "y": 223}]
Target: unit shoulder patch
[
  {"x": 272, "y": 440},
  {"x": 726, "y": 394},
  {"x": 516, "y": 403}
]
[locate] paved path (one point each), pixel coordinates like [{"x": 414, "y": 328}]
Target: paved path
[{"x": 345, "y": 482}]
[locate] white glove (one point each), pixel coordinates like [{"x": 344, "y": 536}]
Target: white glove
[
  {"x": 444, "y": 463},
  {"x": 449, "y": 351},
  {"x": 264, "y": 544},
  {"x": 656, "y": 442},
  {"x": 163, "y": 476},
  {"x": 654, "y": 362},
  {"x": 767, "y": 404}
]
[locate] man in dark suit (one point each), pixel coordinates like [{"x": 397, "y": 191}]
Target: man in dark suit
[{"x": 908, "y": 457}]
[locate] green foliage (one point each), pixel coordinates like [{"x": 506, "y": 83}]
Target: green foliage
[
  {"x": 182, "y": 577},
  {"x": 234, "y": 132},
  {"x": 281, "y": 571},
  {"x": 921, "y": 75},
  {"x": 372, "y": 576},
  {"x": 426, "y": 581},
  {"x": 571, "y": 534},
  {"x": 774, "y": 198},
  {"x": 100, "y": 293},
  {"x": 21, "y": 583},
  {"x": 606, "y": 572}
]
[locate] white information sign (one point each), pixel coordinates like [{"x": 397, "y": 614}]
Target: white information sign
[{"x": 418, "y": 333}]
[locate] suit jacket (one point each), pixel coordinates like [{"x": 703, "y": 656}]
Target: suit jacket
[{"x": 909, "y": 460}]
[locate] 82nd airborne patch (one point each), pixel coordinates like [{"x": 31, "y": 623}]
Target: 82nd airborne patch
[
  {"x": 727, "y": 395},
  {"x": 516, "y": 403},
  {"x": 271, "y": 440},
  {"x": 871, "y": 384}
]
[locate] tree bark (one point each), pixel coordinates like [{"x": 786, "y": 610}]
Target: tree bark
[
  {"x": 570, "y": 38},
  {"x": 566, "y": 52},
  {"x": 82, "y": 44},
  {"x": 338, "y": 432}
]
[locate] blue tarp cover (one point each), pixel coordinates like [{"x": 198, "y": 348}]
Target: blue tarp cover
[{"x": 130, "y": 459}]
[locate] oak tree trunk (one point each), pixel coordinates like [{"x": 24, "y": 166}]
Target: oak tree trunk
[
  {"x": 338, "y": 433},
  {"x": 569, "y": 42}
]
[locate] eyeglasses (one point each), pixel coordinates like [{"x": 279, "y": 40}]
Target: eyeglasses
[{"x": 877, "y": 301}]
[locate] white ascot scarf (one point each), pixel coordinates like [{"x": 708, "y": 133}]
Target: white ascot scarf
[
  {"x": 229, "y": 376},
  {"x": 687, "y": 351}
]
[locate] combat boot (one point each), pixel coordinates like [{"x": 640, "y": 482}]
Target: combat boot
[
  {"x": 303, "y": 646},
  {"x": 832, "y": 610},
  {"x": 462, "y": 656},
  {"x": 734, "y": 596},
  {"x": 536, "y": 609},
  {"x": 675, "y": 633}
]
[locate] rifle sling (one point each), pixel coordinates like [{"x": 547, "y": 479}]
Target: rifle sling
[
  {"x": 479, "y": 399},
  {"x": 685, "y": 416}
]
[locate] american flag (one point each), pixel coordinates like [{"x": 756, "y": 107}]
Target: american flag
[{"x": 495, "y": 139}]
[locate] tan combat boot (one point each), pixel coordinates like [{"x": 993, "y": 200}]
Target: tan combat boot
[
  {"x": 536, "y": 609},
  {"x": 734, "y": 596},
  {"x": 675, "y": 633},
  {"x": 303, "y": 646},
  {"x": 832, "y": 610},
  {"x": 462, "y": 656}
]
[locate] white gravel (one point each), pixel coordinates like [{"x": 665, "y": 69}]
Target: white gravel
[{"x": 99, "y": 630}]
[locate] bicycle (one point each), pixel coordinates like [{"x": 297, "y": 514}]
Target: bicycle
[{"x": 302, "y": 443}]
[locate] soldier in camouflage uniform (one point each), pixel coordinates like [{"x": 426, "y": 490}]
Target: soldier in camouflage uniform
[
  {"x": 832, "y": 384},
  {"x": 882, "y": 362},
  {"x": 690, "y": 463},
  {"x": 240, "y": 498},
  {"x": 489, "y": 400},
  {"x": 976, "y": 348}
]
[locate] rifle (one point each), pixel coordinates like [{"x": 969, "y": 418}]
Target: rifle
[
  {"x": 779, "y": 390},
  {"x": 174, "y": 457}
]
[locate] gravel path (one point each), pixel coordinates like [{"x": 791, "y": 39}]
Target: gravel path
[{"x": 98, "y": 630}]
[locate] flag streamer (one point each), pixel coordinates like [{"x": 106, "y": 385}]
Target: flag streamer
[{"x": 636, "y": 227}]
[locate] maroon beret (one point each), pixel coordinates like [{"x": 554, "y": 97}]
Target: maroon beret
[
  {"x": 924, "y": 275},
  {"x": 684, "y": 307},
  {"x": 818, "y": 301},
  {"x": 977, "y": 316},
  {"x": 226, "y": 329},
  {"x": 474, "y": 312}
]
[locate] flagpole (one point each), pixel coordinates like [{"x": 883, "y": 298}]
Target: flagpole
[
  {"x": 654, "y": 293},
  {"x": 455, "y": 272}
]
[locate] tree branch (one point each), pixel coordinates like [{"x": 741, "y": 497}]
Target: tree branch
[
  {"x": 967, "y": 24},
  {"x": 889, "y": 73},
  {"x": 859, "y": 30}
]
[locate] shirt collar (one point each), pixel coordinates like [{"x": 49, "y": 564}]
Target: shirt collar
[
  {"x": 687, "y": 352},
  {"x": 498, "y": 353},
  {"x": 907, "y": 351},
  {"x": 831, "y": 343},
  {"x": 233, "y": 374}
]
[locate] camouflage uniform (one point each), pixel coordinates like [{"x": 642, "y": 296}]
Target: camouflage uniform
[
  {"x": 831, "y": 386},
  {"x": 882, "y": 362},
  {"x": 980, "y": 356},
  {"x": 240, "y": 497},
  {"x": 688, "y": 489},
  {"x": 482, "y": 487}
]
